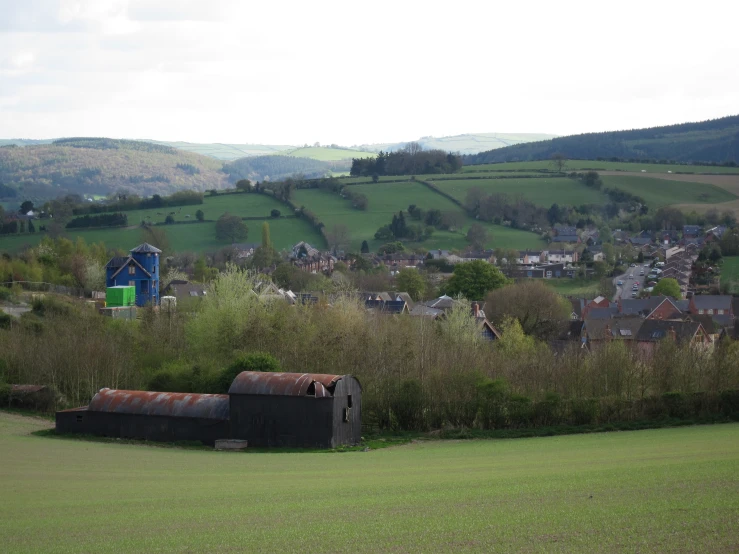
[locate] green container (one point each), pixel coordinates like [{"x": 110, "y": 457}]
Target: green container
[{"x": 116, "y": 297}]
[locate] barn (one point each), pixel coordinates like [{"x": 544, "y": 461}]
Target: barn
[
  {"x": 154, "y": 416},
  {"x": 296, "y": 409},
  {"x": 265, "y": 409}
]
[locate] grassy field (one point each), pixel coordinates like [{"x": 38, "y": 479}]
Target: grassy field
[
  {"x": 574, "y": 287},
  {"x": 543, "y": 192},
  {"x": 648, "y": 491},
  {"x": 197, "y": 237},
  {"x": 324, "y": 154},
  {"x": 389, "y": 198},
  {"x": 581, "y": 165},
  {"x": 661, "y": 192},
  {"x": 730, "y": 268}
]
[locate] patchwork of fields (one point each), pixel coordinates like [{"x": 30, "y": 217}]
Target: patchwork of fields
[
  {"x": 386, "y": 199},
  {"x": 708, "y": 187},
  {"x": 648, "y": 491}
]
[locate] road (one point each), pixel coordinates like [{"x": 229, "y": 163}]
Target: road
[{"x": 629, "y": 278}]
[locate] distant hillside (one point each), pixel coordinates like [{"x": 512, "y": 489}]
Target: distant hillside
[
  {"x": 223, "y": 151},
  {"x": 327, "y": 153},
  {"x": 275, "y": 168},
  {"x": 714, "y": 141},
  {"x": 99, "y": 166},
  {"x": 469, "y": 143}
]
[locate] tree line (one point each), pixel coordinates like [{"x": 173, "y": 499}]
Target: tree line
[{"x": 411, "y": 160}]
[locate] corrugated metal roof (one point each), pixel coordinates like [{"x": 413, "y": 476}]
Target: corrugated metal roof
[
  {"x": 180, "y": 404},
  {"x": 284, "y": 384},
  {"x": 27, "y": 388}
]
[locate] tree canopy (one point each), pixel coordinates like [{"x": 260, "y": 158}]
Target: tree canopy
[
  {"x": 474, "y": 280},
  {"x": 231, "y": 228},
  {"x": 667, "y": 287}
]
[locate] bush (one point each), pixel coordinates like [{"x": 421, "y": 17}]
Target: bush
[
  {"x": 407, "y": 405},
  {"x": 5, "y": 293},
  {"x": 257, "y": 361},
  {"x": 584, "y": 411}
]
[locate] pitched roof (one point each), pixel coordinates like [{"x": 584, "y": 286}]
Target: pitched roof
[
  {"x": 186, "y": 290},
  {"x": 566, "y": 238},
  {"x": 712, "y": 302},
  {"x": 116, "y": 262},
  {"x": 146, "y": 248},
  {"x": 655, "y": 330},
  {"x": 624, "y": 328},
  {"x": 602, "y": 313},
  {"x": 126, "y": 263}
]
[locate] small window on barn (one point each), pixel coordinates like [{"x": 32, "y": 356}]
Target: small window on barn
[
  {"x": 132, "y": 269},
  {"x": 311, "y": 389},
  {"x": 349, "y": 400},
  {"x": 80, "y": 418}
]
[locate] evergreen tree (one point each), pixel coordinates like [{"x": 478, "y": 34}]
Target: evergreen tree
[{"x": 365, "y": 247}]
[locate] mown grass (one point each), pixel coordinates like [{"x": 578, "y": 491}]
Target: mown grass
[
  {"x": 656, "y": 490},
  {"x": 730, "y": 268},
  {"x": 574, "y": 287},
  {"x": 386, "y": 199}
]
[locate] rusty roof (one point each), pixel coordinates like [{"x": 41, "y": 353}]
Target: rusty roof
[
  {"x": 179, "y": 404},
  {"x": 27, "y": 388},
  {"x": 284, "y": 384}
]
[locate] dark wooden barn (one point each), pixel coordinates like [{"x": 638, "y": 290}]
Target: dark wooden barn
[
  {"x": 296, "y": 409},
  {"x": 265, "y": 409},
  {"x": 155, "y": 416}
]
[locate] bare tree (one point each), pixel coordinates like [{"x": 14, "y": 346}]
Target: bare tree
[
  {"x": 559, "y": 161},
  {"x": 338, "y": 237}
]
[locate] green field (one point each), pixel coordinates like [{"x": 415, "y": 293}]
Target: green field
[
  {"x": 660, "y": 192},
  {"x": 389, "y": 198},
  {"x": 543, "y": 192},
  {"x": 730, "y": 268},
  {"x": 583, "y": 165},
  {"x": 325, "y": 154},
  {"x": 574, "y": 287},
  {"x": 197, "y": 237},
  {"x": 662, "y": 490}
]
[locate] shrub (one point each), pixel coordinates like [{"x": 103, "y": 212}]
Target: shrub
[
  {"x": 584, "y": 411},
  {"x": 256, "y": 361},
  {"x": 407, "y": 405}
]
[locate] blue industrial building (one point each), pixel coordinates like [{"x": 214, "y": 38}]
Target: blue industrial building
[{"x": 140, "y": 269}]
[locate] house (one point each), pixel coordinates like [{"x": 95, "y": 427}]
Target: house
[
  {"x": 711, "y": 305},
  {"x": 531, "y": 257},
  {"x": 564, "y": 230},
  {"x": 597, "y": 253},
  {"x": 691, "y": 231},
  {"x": 714, "y": 234},
  {"x": 578, "y": 306},
  {"x": 139, "y": 269},
  {"x": 566, "y": 239},
  {"x": 667, "y": 309},
  {"x": 244, "y": 249},
  {"x": 488, "y": 331},
  {"x": 563, "y": 256},
  {"x": 596, "y": 332},
  {"x": 183, "y": 290},
  {"x": 645, "y": 306},
  {"x": 654, "y": 331},
  {"x": 264, "y": 409}
]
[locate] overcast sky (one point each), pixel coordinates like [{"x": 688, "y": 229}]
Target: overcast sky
[{"x": 361, "y": 71}]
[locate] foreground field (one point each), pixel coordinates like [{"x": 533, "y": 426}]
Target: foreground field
[{"x": 647, "y": 491}]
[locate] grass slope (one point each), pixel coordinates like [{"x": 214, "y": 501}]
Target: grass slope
[
  {"x": 223, "y": 151},
  {"x": 584, "y": 165},
  {"x": 197, "y": 237},
  {"x": 386, "y": 199},
  {"x": 325, "y": 154},
  {"x": 647, "y": 491},
  {"x": 541, "y": 191}
]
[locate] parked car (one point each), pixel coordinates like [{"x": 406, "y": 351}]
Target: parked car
[
  {"x": 633, "y": 294},
  {"x": 620, "y": 283},
  {"x": 632, "y": 265}
]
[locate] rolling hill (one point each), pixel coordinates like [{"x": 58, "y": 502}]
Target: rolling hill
[
  {"x": 94, "y": 166},
  {"x": 469, "y": 143},
  {"x": 714, "y": 141}
]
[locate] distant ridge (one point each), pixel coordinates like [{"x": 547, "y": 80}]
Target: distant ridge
[
  {"x": 712, "y": 141},
  {"x": 468, "y": 143}
]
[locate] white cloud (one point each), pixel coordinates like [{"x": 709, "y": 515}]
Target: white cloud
[{"x": 234, "y": 71}]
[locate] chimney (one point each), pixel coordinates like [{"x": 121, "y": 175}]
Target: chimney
[{"x": 476, "y": 309}]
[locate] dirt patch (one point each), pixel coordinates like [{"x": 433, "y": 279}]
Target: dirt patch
[{"x": 726, "y": 182}]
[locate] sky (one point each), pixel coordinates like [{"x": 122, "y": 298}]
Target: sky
[{"x": 359, "y": 72}]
